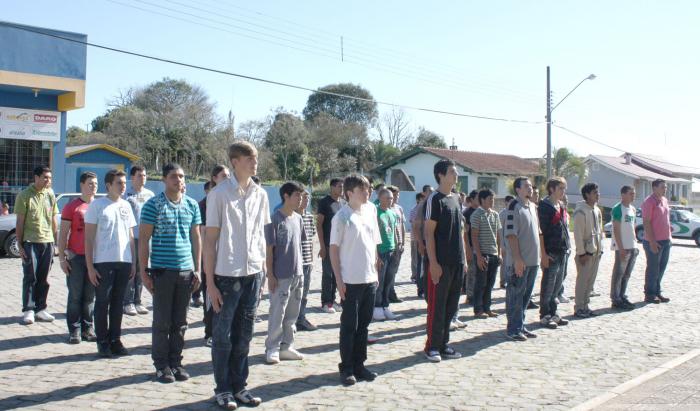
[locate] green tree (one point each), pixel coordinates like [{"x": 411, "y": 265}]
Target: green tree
[
  {"x": 427, "y": 138},
  {"x": 566, "y": 164},
  {"x": 287, "y": 139},
  {"x": 346, "y": 110}
]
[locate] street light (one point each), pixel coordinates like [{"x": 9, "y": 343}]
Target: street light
[{"x": 549, "y": 118}]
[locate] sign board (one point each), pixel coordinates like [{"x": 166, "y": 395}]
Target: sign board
[{"x": 38, "y": 125}]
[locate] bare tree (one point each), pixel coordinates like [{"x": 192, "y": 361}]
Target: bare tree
[{"x": 395, "y": 128}]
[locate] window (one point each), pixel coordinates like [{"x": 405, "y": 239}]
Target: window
[
  {"x": 462, "y": 183},
  {"x": 487, "y": 182},
  {"x": 17, "y": 161}
]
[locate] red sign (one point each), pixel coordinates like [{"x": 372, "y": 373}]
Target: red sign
[{"x": 45, "y": 118}]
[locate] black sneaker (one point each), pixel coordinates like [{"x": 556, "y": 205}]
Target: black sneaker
[
  {"x": 528, "y": 334},
  {"x": 225, "y": 400},
  {"x": 652, "y": 300},
  {"x": 180, "y": 373},
  {"x": 103, "y": 350},
  {"x": 365, "y": 374},
  {"x": 88, "y": 335},
  {"x": 74, "y": 337},
  {"x": 531, "y": 305},
  {"x": 165, "y": 375},
  {"x": 663, "y": 299},
  {"x": 628, "y": 305},
  {"x": 118, "y": 348},
  {"x": 517, "y": 337},
  {"x": 346, "y": 378},
  {"x": 450, "y": 353},
  {"x": 305, "y": 325}
]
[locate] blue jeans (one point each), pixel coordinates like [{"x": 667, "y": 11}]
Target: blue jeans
[
  {"x": 35, "y": 284},
  {"x": 233, "y": 330},
  {"x": 552, "y": 278},
  {"x": 656, "y": 266},
  {"x": 518, "y": 292},
  {"x": 385, "y": 279},
  {"x": 81, "y": 296}
]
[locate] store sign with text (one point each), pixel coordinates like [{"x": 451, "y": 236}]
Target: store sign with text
[{"x": 21, "y": 124}]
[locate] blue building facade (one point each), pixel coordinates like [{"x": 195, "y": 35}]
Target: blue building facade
[{"x": 98, "y": 158}]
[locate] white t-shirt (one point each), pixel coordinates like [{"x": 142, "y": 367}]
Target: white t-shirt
[
  {"x": 356, "y": 233},
  {"x": 114, "y": 220},
  {"x": 627, "y": 217}
]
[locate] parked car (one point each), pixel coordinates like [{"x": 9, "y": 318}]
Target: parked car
[
  {"x": 8, "y": 239},
  {"x": 684, "y": 224}
]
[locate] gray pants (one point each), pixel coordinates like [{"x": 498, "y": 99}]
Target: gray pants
[
  {"x": 284, "y": 311},
  {"x": 585, "y": 279},
  {"x": 621, "y": 274}
]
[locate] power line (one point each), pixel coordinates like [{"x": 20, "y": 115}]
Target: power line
[
  {"x": 273, "y": 82},
  {"x": 588, "y": 138}
]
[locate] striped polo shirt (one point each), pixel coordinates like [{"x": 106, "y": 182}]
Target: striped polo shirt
[
  {"x": 307, "y": 246},
  {"x": 488, "y": 224},
  {"x": 170, "y": 242}
]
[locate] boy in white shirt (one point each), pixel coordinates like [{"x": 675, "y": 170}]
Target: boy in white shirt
[{"x": 624, "y": 243}]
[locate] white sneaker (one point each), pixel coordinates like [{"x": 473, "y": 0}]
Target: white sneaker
[
  {"x": 272, "y": 357},
  {"x": 141, "y": 309},
  {"x": 453, "y": 325},
  {"x": 44, "y": 315},
  {"x": 389, "y": 315},
  {"x": 338, "y": 308},
  {"x": 28, "y": 317},
  {"x": 130, "y": 309},
  {"x": 328, "y": 309},
  {"x": 290, "y": 354},
  {"x": 378, "y": 314},
  {"x": 460, "y": 324}
]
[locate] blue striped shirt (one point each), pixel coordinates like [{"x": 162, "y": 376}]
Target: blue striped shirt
[{"x": 170, "y": 242}]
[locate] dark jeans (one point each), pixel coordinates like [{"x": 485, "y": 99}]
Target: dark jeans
[
  {"x": 422, "y": 282},
  {"x": 518, "y": 293},
  {"x": 392, "y": 271},
  {"x": 566, "y": 271},
  {"x": 550, "y": 285},
  {"x": 81, "y": 296},
  {"x": 443, "y": 303},
  {"x": 135, "y": 286},
  {"x": 384, "y": 279},
  {"x": 483, "y": 284},
  {"x": 307, "y": 283},
  {"x": 354, "y": 320},
  {"x": 656, "y": 267},
  {"x": 171, "y": 298},
  {"x": 622, "y": 269},
  {"x": 328, "y": 285},
  {"x": 206, "y": 307},
  {"x": 36, "y": 267},
  {"x": 233, "y": 331},
  {"x": 109, "y": 299}
]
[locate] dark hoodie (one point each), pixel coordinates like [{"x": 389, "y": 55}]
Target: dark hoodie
[{"x": 554, "y": 226}]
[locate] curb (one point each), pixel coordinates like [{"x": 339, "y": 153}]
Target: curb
[{"x": 626, "y": 386}]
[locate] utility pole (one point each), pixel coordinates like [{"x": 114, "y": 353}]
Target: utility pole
[{"x": 549, "y": 128}]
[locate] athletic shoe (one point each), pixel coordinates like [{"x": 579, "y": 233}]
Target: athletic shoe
[
  {"x": 165, "y": 375},
  {"x": 346, "y": 378},
  {"x": 460, "y": 324},
  {"x": 450, "y": 353},
  {"x": 563, "y": 300},
  {"x": 328, "y": 309},
  {"x": 378, "y": 314},
  {"x": 225, "y": 400},
  {"x": 141, "y": 309},
  {"x": 481, "y": 315},
  {"x": 197, "y": 302},
  {"x": 594, "y": 294},
  {"x": 491, "y": 314},
  {"x": 103, "y": 350},
  {"x": 628, "y": 305},
  {"x": 517, "y": 337},
  {"x": 337, "y": 307},
  {"x": 180, "y": 373},
  {"x": 433, "y": 355},
  {"x": 529, "y": 334},
  {"x": 246, "y": 398},
  {"x": 560, "y": 321},
  {"x": 208, "y": 342},
  {"x": 74, "y": 337},
  {"x": 389, "y": 315},
  {"x": 305, "y": 325},
  {"x": 44, "y": 316},
  {"x": 28, "y": 317},
  {"x": 581, "y": 314},
  {"x": 531, "y": 305},
  {"x": 290, "y": 354},
  {"x": 653, "y": 300},
  {"x": 117, "y": 348},
  {"x": 363, "y": 374},
  {"x": 272, "y": 357},
  {"x": 548, "y": 322},
  {"x": 130, "y": 309},
  {"x": 453, "y": 326},
  {"x": 88, "y": 335},
  {"x": 617, "y": 305},
  {"x": 663, "y": 299}
]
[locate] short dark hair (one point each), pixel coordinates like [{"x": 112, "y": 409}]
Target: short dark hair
[
  {"x": 626, "y": 189},
  {"x": 393, "y": 189},
  {"x": 88, "y": 174},
  {"x": 518, "y": 182},
  {"x": 658, "y": 182},
  {"x": 334, "y": 181},
  {"x": 136, "y": 169},
  {"x": 419, "y": 196},
  {"x": 353, "y": 181},
  {"x": 485, "y": 193},
  {"x": 256, "y": 180},
  {"x": 553, "y": 183},
  {"x": 441, "y": 168},
  {"x": 40, "y": 170},
  {"x": 509, "y": 198},
  {"x": 170, "y": 167},
  {"x": 426, "y": 187},
  {"x": 587, "y": 189},
  {"x": 112, "y": 174},
  {"x": 290, "y": 187},
  {"x": 217, "y": 169},
  {"x": 207, "y": 185},
  {"x": 473, "y": 194}
]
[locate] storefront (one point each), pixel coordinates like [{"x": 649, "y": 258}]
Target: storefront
[{"x": 42, "y": 77}]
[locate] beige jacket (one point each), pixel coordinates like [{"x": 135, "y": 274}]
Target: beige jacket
[{"x": 588, "y": 229}]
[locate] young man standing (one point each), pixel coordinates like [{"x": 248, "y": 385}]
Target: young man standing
[
  {"x": 471, "y": 206},
  {"x": 486, "y": 238},
  {"x": 588, "y": 234},
  {"x": 353, "y": 252},
  {"x": 234, "y": 254},
  {"x": 400, "y": 241},
  {"x": 109, "y": 256},
  {"x": 502, "y": 219},
  {"x": 137, "y": 197},
  {"x": 657, "y": 241},
  {"x": 71, "y": 255},
  {"x": 624, "y": 243},
  {"x": 418, "y": 233},
  {"x": 170, "y": 223},
  {"x": 415, "y": 256},
  {"x": 446, "y": 258},
  {"x": 36, "y": 227},
  {"x": 327, "y": 207},
  {"x": 387, "y": 221},
  {"x": 554, "y": 223},
  {"x": 307, "y": 248},
  {"x": 522, "y": 233}
]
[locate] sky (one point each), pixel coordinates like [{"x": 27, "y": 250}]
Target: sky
[{"x": 485, "y": 58}]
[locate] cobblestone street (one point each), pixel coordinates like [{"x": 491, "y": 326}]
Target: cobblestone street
[{"x": 558, "y": 370}]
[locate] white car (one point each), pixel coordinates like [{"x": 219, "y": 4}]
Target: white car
[{"x": 684, "y": 224}]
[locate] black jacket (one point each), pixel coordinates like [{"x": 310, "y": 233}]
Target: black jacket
[{"x": 555, "y": 231}]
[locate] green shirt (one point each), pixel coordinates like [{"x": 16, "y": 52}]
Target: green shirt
[
  {"x": 387, "y": 226},
  {"x": 38, "y": 208}
]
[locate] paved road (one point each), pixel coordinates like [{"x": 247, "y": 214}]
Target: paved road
[{"x": 558, "y": 370}]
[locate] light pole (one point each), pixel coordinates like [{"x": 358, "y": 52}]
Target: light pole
[{"x": 549, "y": 118}]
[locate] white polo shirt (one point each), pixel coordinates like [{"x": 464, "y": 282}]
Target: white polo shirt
[
  {"x": 242, "y": 217},
  {"x": 356, "y": 233}
]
